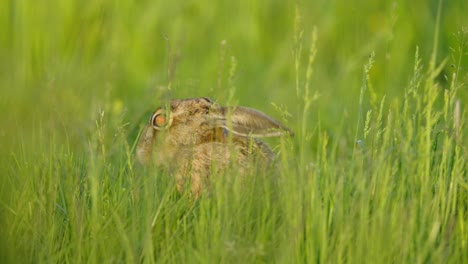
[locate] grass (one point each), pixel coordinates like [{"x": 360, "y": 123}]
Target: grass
[{"x": 375, "y": 92}]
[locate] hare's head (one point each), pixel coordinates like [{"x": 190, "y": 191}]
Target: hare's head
[{"x": 187, "y": 123}]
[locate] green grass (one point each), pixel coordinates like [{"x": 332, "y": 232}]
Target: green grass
[{"x": 376, "y": 93}]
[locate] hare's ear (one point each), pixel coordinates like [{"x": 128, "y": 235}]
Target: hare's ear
[
  {"x": 145, "y": 144},
  {"x": 244, "y": 121}
]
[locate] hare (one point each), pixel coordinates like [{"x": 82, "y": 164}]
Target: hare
[{"x": 191, "y": 136}]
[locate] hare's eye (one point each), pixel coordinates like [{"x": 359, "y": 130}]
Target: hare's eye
[{"x": 159, "y": 120}]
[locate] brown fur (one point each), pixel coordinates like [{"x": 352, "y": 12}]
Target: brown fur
[{"x": 200, "y": 133}]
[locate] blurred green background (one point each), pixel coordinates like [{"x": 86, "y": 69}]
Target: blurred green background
[{"x": 64, "y": 63}]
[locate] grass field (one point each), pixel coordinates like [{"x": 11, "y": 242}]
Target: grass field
[{"x": 376, "y": 92}]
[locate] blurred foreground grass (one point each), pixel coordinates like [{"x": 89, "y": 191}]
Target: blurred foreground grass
[{"x": 77, "y": 80}]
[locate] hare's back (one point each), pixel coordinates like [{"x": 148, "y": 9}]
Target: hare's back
[{"x": 241, "y": 152}]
